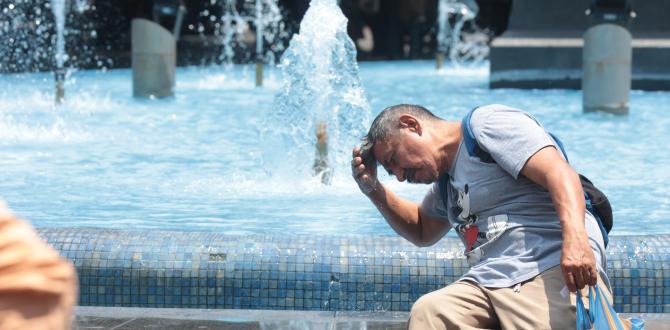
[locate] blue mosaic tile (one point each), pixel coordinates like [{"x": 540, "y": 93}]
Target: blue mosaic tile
[{"x": 212, "y": 270}]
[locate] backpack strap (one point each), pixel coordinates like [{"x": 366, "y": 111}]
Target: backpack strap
[
  {"x": 474, "y": 150},
  {"x": 444, "y": 181}
]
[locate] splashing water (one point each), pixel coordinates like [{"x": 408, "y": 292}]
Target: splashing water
[
  {"x": 321, "y": 88},
  {"x": 235, "y": 31},
  {"x": 58, "y": 8},
  {"x": 36, "y": 36},
  {"x": 461, "y": 46}
]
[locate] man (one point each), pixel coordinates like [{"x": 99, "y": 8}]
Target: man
[
  {"x": 38, "y": 289},
  {"x": 521, "y": 217}
]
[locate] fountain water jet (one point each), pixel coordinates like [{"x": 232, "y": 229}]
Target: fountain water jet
[
  {"x": 451, "y": 40},
  {"x": 235, "y": 27},
  {"x": 58, "y": 8},
  {"x": 322, "y": 105}
]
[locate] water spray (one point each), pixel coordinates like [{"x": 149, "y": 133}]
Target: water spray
[
  {"x": 317, "y": 116},
  {"x": 449, "y": 39},
  {"x": 58, "y": 8},
  {"x": 442, "y": 33}
]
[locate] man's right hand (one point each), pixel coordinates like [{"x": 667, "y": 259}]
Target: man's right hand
[{"x": 365, "y": 176}]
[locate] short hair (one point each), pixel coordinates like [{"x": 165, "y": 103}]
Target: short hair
[{"x": 386, "y": 124}]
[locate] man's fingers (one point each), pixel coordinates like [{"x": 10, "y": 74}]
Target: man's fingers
[
  {"x": 358, "y": 170},
  {"x": 593, "y": 276},
  {"x": 586, "y": 276},
  {"x": 570, "y": 281},
  {"x": 580, "y": 282},
  {"x": 361, "y": 169}
]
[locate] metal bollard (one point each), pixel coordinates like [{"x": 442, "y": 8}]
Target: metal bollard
[
  {"x": 607, "y": 57},
  {"x": 59, "y": 75},
  {"x": 606, "y": 69},
  {"x": 439, "y": 60},
  {"x": 154, "y": 59}
]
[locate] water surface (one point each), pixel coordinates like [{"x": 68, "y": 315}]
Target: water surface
[{"x": 193, "y": 162}]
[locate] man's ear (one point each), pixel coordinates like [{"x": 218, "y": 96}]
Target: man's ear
[{"x": 410, "y": 122}]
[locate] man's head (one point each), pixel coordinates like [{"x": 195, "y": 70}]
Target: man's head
[{"x": 399, "y": 141}]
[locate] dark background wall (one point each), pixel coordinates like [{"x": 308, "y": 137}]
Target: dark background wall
[{"x": 98, "y": 32}]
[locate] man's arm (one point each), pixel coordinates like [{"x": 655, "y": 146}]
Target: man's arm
[
  {"x": 404, "y": 216},
  {"x": 407, "y": 219},
  {"x": 548, "y": 169}
]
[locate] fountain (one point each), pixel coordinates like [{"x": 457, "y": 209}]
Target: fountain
[
  {"x": 450, "y": 37},
  {"x": 266, "y": 18},
  {"x": 233, "y": 23},
  {"x": 58, "y": 8},
  {"x": 322, "y": 102}
]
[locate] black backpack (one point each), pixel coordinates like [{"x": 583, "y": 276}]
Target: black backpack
[{"x": 596, "y": 201}]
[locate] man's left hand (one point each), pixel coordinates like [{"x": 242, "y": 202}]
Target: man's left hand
[{"x": 578, "y": 263}]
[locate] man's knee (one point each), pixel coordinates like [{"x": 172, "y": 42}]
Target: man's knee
[
  {"x": 425, "y": 313},
  {"x": 425, "y": 305},
  {"x": 456, "y": 305}
]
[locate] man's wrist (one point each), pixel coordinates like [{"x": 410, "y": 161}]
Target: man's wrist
[{"x": 373, "y": 189}]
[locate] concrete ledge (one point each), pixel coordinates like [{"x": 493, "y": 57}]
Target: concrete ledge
[{"x": 528, "y": 62}]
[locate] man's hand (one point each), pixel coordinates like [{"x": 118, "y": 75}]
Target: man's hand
[
  {"x": 365, "y": 176},
  {"x": 578, "y": 263}
]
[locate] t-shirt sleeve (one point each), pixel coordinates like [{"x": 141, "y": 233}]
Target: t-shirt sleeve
[
  {"x": 433, "y": 205},
  {"x": 509, "y": 135}
]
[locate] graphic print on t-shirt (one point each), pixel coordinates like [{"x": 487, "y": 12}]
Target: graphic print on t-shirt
[
  {"x": 472, "y": 231},
  {"x": 466, "y": 227}
]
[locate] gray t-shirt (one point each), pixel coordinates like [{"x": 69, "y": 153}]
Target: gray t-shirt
[{"x": 508, "y": 223}]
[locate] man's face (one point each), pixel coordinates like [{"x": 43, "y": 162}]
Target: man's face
[{"x": 408, "y": 156}]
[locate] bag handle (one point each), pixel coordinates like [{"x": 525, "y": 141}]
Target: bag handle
[{"x": 601, "y": 315}]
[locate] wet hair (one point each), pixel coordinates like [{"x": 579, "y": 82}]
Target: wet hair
[{"x": 386, "y": 124}]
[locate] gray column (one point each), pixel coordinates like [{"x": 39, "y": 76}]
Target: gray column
[
  {"x": 606, "y": 68},
  {"x": 154, "y": 57}
]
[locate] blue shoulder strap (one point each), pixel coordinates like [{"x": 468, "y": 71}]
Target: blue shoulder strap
[
  {"x": 444, "y": 181},
  {"x": 474, "y": 150}
]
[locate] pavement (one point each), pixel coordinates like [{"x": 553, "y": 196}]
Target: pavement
[{"x": 126, "y": 318}]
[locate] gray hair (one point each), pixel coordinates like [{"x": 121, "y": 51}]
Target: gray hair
[{"x": 386, "y": 124}]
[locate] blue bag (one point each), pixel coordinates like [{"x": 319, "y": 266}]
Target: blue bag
[{"x": 601, "y": 315}]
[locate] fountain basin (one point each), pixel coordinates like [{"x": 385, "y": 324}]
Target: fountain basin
[
  {"x": 166, "y": 203},
  {"x": 306, "y": 272}
]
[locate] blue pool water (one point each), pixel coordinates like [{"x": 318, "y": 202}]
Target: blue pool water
[{"x": 192, "y": 162}]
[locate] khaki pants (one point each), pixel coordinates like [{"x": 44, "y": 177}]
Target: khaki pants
[
  {"x": 535, "y": 304},
  {"x": 37, "y": 288}
]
